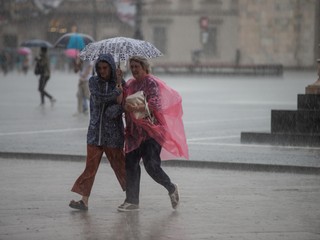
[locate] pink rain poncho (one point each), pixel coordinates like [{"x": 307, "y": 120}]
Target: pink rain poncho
[{"x": 166, "y": 106}]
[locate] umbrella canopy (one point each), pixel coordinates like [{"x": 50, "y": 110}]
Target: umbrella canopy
[
  {"x": 23, "y": 51},
  {"x": 36, "y": 43},
  {"x": 73, "y": 41},
  {"x": 121, "y": 48},
  {"x": 72, "y": 53}
]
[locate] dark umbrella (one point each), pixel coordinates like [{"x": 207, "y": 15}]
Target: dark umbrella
[
  {"x": 36, "y": 43},
  {"x": 73, "y": 41}
]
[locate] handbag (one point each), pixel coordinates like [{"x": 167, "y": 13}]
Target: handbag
[
  {"x": 136, "y": 99},
  {"x": 38, "y": 70}
]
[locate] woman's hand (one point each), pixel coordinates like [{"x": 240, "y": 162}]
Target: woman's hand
[
  {"x": 129, "y": 107},
  {"x": 119, "y": 76},
  {"x": 119, "y": 85},
  {"x": 120, "y": 97},
  {"x": 133, "y": 108}
]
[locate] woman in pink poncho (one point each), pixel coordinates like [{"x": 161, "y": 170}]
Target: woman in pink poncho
[{"x": 163, "y": 138}]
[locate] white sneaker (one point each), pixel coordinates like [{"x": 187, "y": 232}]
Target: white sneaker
[
  {"x": 128, "y": 207},
  {"x": 53, "y": 101},
  {"x": 174, "y": 197}
]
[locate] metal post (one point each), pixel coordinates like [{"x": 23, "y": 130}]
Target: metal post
[
  {"x": 138, "y": 20},
  {"x": 94, "y": 20}
]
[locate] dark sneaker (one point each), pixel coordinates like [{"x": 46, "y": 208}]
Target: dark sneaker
[
  {"x": 128, "y": 207},
  {"x": 80, "y": 205},
  {"x": 174, "y": 197}
]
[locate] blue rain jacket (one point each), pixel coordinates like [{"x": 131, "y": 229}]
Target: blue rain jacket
[{"x": 106, "y": 126}]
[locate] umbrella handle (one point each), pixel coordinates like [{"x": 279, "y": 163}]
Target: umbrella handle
[{"x": 119, "y": 75}]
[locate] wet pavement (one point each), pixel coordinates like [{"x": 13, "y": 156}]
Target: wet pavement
[
  {"x": 216, "y": 111},
  {"x": 274, "y": 196},
  {"x": 215, "y": 204}
]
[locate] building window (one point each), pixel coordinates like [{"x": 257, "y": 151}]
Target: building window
[
  {"x": 209, "y": 41},
  {"x": 160, "y": 38}
]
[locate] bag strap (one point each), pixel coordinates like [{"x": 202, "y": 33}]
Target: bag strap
[{"x": 147, "y": 109}]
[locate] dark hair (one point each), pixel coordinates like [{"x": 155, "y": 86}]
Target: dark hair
[{"x": 44, "y": 49}]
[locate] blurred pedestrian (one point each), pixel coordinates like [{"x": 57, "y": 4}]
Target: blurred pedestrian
[
  {"x": 25, "y": 64},
  {"x": 159, "y": 136},
  {"x": 106, "y": 129},
  {"x": 83, "y": 94},
  {"x": 4, "y": 59},
  {"x": 42, "y": 68}
]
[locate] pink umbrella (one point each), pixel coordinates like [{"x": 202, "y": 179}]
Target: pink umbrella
[
  {"x": 24, "y": 51},
  {"x": 71, "y": 53}
]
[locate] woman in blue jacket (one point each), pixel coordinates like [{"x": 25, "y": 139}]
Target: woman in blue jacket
[{"x": 105, "y": 131}]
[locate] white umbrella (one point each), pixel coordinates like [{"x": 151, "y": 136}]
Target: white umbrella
[{"x": 120, "y": 48}]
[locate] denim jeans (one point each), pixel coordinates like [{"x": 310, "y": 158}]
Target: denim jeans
[
  {"x": 149, "y": 151},
  {"x": 42, "y": 84}
]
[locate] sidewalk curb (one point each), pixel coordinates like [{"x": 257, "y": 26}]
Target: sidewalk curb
[{"x": 178, "y": 163}]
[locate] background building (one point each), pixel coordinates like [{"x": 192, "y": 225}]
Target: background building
[{"x": 187, "y": 31}]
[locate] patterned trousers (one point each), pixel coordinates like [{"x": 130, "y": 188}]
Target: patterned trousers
[{"x": 84, "y": 183}]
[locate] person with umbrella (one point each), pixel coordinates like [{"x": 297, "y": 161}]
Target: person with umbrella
[
  {"x": 43, "y": 69},
  {"x": 84, "y": 67},
  {"x": 157, "y": 137},
  {"x": 106, "y": 129},
  {"x": 4, "y": 61},
  {"x": 73, "y": 43}
]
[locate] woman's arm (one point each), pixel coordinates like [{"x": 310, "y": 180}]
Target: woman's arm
[
  {"x": 102, "y": 98},
  {"x": 114, "y": 111},
  {"x": 153, "y": 95}
]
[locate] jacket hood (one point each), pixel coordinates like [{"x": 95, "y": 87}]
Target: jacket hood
[{"x": 108, "y": 58}]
